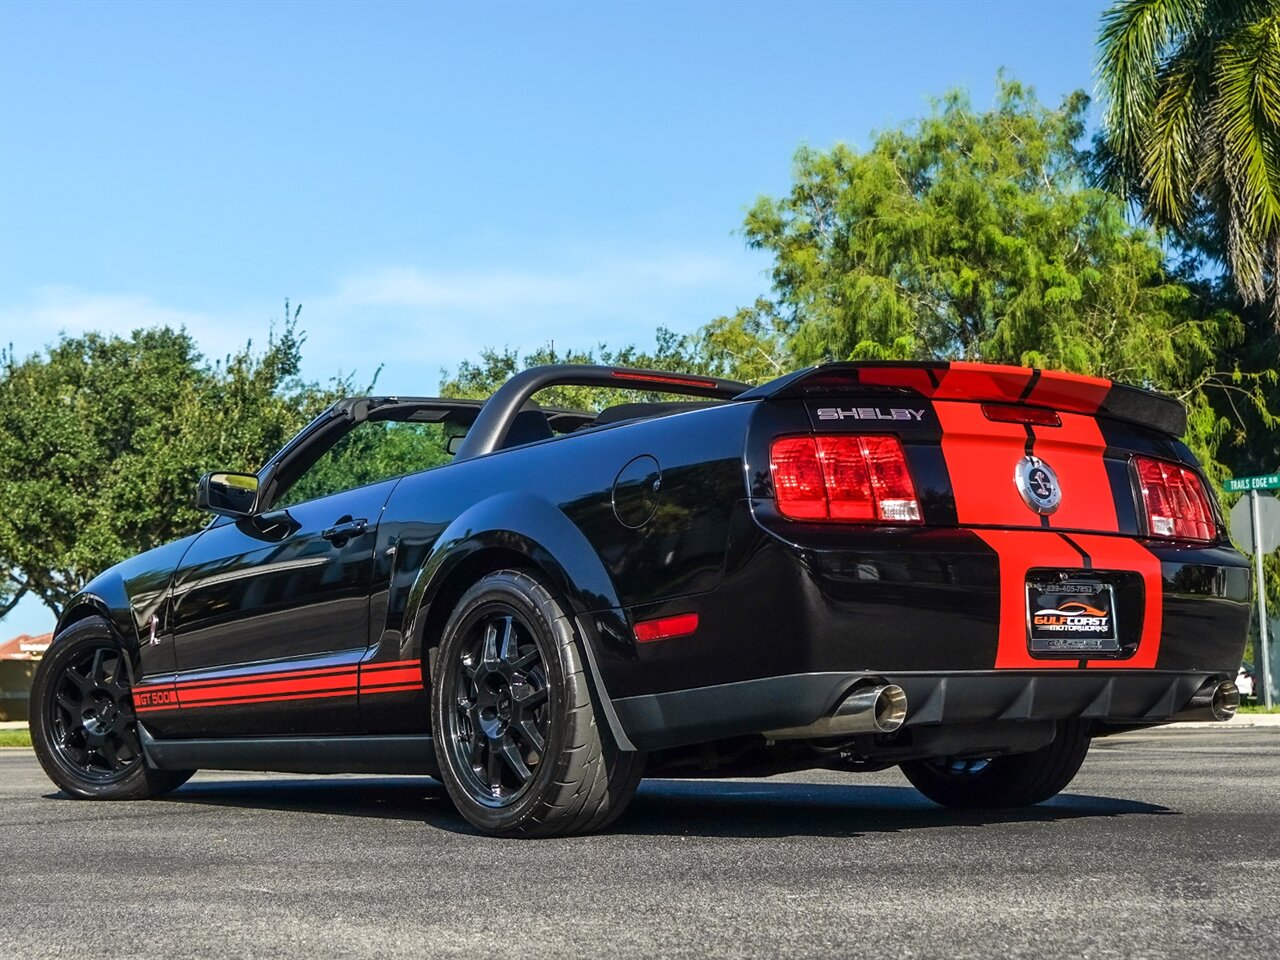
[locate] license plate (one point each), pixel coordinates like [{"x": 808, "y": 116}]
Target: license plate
[{"x": 1071, "y": 616}]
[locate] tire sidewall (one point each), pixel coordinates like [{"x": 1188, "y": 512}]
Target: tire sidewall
[
  {"x": 1013, "y": 780},
  {"x": 549, "y": 628}
]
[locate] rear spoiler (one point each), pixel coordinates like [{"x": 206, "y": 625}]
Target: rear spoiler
[{"x": 961, "y": 380}]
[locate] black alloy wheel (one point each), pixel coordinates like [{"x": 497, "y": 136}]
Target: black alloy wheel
[
  {"x": 83, "y": 726},
  {"x": 90, "y": 716},
  {"x": 517, "y": 738},
  {"x": 498, "y": 727}
]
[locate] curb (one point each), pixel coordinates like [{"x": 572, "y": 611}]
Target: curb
[{"x": 1239, "y": 721}]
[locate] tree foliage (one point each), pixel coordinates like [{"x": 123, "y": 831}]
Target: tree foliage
[
  {"x": 1192, "y": 126},
  {"x": 102, "y": 440},
  {"x": 372, "y": 452}
]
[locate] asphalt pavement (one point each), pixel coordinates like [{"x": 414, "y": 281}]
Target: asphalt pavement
[{"x": 1166, "y": 845}]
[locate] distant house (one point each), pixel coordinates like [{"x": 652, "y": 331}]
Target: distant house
[
  {"x": 18, "y": 659},
  {"x": 25, "y": 647}
]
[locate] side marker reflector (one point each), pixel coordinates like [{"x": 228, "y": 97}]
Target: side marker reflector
[{"x": 664, "y": 628}]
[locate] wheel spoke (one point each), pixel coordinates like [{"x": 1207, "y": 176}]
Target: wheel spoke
[
  {"x": 489, "y": 648},
  {"x": 533, "y": 698},
  {"x": 508, "y": 648},
  {"x": 95, "y": 671},
  {"x": 511, "y": 755},
  {"x": 529, "y": 731},
  {"x": 81, "y": 682},
  {"x": 66, "y": 703},
  {"x": 122, "y": 748},
  {"x": 108, "y": 752},
  {"x": 493, "y": 769},
  {"x": 528, "y": 660}
]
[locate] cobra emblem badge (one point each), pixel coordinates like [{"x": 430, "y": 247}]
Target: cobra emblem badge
[{"x": 1038, "y": 485}]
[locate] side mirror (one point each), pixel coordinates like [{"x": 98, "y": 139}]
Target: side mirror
[
  {"x": 228, "y": 494},
  {"x": 452, "y": 444}
]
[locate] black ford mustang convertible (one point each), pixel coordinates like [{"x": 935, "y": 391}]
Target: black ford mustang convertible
[{"x": 965, "y": 570}]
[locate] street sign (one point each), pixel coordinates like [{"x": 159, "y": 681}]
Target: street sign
[
  {"x": 1268, "y": 522},
  {"x": 1270, "y": 481}
]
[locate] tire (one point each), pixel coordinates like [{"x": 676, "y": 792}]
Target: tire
[
  {"x": 1017, "y": 780},
  {"x": 83, "y": 726},
  {"x": 519, "y": 745}
]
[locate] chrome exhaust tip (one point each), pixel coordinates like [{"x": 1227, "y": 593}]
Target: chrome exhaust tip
[
  {"x": 878, "y": 709},
  {"x": 1216, "y": 700},
  {"x": 1226, "y": 700},
  {"x": 871, "y": 710}
]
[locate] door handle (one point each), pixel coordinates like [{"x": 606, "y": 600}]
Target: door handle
[{"x": 346, "y": 529}]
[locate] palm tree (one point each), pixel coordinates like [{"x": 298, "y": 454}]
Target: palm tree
[{"x": 1192, "y": 125}]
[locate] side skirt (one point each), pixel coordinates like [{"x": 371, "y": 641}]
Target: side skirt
[{"x": 412, "y": 755}]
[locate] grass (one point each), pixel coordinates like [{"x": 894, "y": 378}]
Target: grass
[
  {"x": 15, "y": 738},
  {"x": 1258, "y": 708}
]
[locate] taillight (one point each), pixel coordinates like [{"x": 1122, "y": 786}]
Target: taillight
[
  {"x": 1174, "y": 501},
  {"x": 863, "y": 479}
]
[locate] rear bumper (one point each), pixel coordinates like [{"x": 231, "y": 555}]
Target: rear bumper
[
  {"x": 889, "y": 602},
  {"x": 679, "y": 718}
]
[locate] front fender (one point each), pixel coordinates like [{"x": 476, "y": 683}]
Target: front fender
[{"x": 127, "y": 595}]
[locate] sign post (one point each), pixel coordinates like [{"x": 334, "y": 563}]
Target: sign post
[
  {"x": 1261, "y": 545},
  {"x": 1262, "y": 599}
]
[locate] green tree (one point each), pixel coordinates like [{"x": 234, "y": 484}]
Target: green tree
[
  {"x": 975, "y": 235},
  {"x": 103, "y": 437},
  {"x": 1192, "y": 126}
]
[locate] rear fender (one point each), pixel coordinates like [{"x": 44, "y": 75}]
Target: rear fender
[{"x": 524, "y": 527}]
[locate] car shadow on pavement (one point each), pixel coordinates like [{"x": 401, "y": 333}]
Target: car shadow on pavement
[
  {"x": 711, "y": 808},
  {"x": 769, "y": 809}
]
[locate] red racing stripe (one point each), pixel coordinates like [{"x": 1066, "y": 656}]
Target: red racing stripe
[
  {"x": 983, "y": 381},
  {"x": 1017, "y": 552},
  {"x": 1020, "y": 550},
  {"x": 279, "y": 685},
  {"x": 982, "y": 456},
  {"x": 1074, "y": 451},
  {"x": 1069, "y": 391},
  {"x": 1121, "y": 553},
  {"x": 398, "y": 676},
  {"x": 273, "y": 699},
  {"x": 336, "y": 685}
]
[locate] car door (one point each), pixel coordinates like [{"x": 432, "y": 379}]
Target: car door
[
  {"x": 269, "y": 617},
  {"x": 269, "y": 613}
]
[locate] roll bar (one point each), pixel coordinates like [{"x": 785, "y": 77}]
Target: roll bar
[{"x": 496, "y": 416}]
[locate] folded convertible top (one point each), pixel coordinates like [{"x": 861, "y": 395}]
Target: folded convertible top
[{"x": 961, "y": 380}]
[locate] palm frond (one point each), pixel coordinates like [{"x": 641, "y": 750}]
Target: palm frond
[
  {"x": 1171, "y": 153},
  {"x": 1246, "y": 113},
  {"x": 1134, "y": 36}
]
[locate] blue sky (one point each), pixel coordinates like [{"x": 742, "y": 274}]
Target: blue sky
[{"x": 428, "y": 179}]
